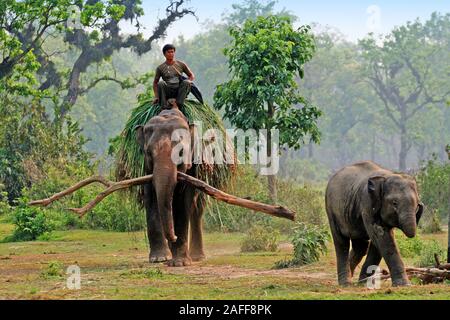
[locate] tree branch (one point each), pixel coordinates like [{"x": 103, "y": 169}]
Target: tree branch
[{"x": 277, "y": 211}]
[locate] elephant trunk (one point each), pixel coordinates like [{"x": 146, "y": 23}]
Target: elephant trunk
[
  {"x": 164, "y": 181},
  {"x": 408, "y": 225}
]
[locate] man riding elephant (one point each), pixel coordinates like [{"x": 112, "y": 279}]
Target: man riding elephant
[{"x": 173, "y": 84}]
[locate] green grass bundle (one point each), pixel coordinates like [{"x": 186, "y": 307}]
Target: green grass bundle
[{"x": 130, "y": 159}]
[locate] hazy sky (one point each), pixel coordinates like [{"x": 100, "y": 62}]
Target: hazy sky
[{"x": 354, "y": 18}]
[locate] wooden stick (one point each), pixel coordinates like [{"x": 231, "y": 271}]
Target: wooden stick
[
  {"x": 70, "y": 190},
  {"x": 277, "y": 211}
]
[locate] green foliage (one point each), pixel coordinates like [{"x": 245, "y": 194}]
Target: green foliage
[
  {"x": 434, "y": 189},
  {"x": 423, "y": 251},
  {"x": 426, "y": 258},
  {"x": 117, "y": 212},
  {"x": 54, "y": 269},
  {"x": 5, "y": 208},
  {"x": 310, "y": 242},
  {"x": 30, "y": 223},
  {"x": 260, "y": 238},
  {"x": 264, "y": 57},
  {"x": 306, "y": 201},
  {"x": 130, "y": 159}
]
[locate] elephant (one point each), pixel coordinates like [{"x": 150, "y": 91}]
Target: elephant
[
  {"x": 171, "y": 206},
  {"x": 364, "y": 202}
]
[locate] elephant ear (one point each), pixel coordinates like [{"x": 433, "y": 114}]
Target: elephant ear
[
  {"x": 375, "y": 189},
  {"x": 140, "y": 136},
  {"x": 419, "y": 212}
]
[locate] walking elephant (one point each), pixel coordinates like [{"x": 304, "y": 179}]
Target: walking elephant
[
  {"x": 364, "y": 202},
  {"x": 171, "y": 206}
]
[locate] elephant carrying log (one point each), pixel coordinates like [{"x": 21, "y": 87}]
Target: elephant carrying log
[
  {"x": 173, "y": 197},
  {"x": 364, "y": 202}
]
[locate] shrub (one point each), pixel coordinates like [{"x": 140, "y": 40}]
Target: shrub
[
  {"x": 430, "y": 222},
  {"x": 30, "y": 223},
  {"x": 5, "y": 208},
  {"x": 422, "y": 251},
  {"x": 434, "y": 188},
  {"x": 54, "y": 269},
  {"x": 426, "y": 257},
  {"x": 260, "y": 238},
  {"x": 310, "y": 242},
  {"x": 409, "y": 247}
]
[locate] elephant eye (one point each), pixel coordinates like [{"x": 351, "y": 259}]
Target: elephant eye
[{"x": 395, "y": 203}]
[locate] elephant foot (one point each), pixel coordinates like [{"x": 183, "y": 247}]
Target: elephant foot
[
  {"x": 180, "y": 262},
  {"x": 160, "y": 256},
  {"x": 400, "y": 282},
  {"x": 198, "y": 257}
]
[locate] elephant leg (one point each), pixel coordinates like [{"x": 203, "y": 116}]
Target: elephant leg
[
  {"x": 159, "y": 249},
  {"x": 179, "y": 248},
  {"x": 373, "y": 259},
  {"x": 342, "y": 246},
  {"x": 359, "y": 250},
  {"x": 384, "y": 241},
  {"x": 196, "y": 236}
]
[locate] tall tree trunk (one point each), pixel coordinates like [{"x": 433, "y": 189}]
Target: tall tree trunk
[
  {"x": 271, "y": 179},
  {"x": 403, "y": 149},
  {"x": 310, "y": 150},
  {"x": 447, "y": 149}
]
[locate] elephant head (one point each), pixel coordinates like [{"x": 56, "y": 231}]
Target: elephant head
[
  {"x": 395, "y": 201},
  {"x": 166, "y": 141}
]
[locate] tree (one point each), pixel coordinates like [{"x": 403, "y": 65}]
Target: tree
[
  {"x": 265, "y": 56},
  {"x": 93, "y": 41},
  {"x": 407, "y": 73}
]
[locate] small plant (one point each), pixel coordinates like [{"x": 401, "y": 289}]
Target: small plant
[
  {"x": 260, "y": 238},
  {"x": 310, "y": 242},
  {"x": 53, "y": 269}
]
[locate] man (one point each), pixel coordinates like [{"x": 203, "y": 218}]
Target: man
[{"x": 171, "y": 85}]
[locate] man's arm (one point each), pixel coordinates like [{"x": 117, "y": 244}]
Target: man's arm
[
  {"x": 189, "y": 72},
  {"x": 155, "y": 85}
]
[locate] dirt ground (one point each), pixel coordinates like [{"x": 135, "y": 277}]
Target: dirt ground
[{"x": 115, "y": 266}]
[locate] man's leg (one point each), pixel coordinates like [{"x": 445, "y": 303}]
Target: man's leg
[
  {"x": 162, "y": 93},
  {"x": 183, "y": 91}
]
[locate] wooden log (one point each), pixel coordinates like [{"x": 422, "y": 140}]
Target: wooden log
[{"x": 277, "y": 211}]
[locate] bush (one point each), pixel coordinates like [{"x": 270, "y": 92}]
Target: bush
[
  {"x": 30, "y": 223},
  {"x": 260, "y": 238},
  {"x": 426, "y": 257},
  {"x": 5, "y": 208},
  {"x": 310, "y": 242},
  {"x": 422, "y": 251},
  {"x": 434, "y": 188},
  {"x": 430, "y": 222}
]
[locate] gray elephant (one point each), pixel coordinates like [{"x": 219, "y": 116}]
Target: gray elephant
[
  {"x": 171, "y": 206},
  {"x": 364, "y": 202}
]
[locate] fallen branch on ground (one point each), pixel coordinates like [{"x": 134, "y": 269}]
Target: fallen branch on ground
[
  {"x": 436, "y": 274},
  {"x": 277, "y": 211}
]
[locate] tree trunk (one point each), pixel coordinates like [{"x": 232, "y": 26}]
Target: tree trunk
[
  {"x": 310, "y": 150},
  {"x": 403, "y": 149},
  {"x": 271, "y": 179}
]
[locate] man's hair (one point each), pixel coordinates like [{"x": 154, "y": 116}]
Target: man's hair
[{"x": 168, "y": 47}]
